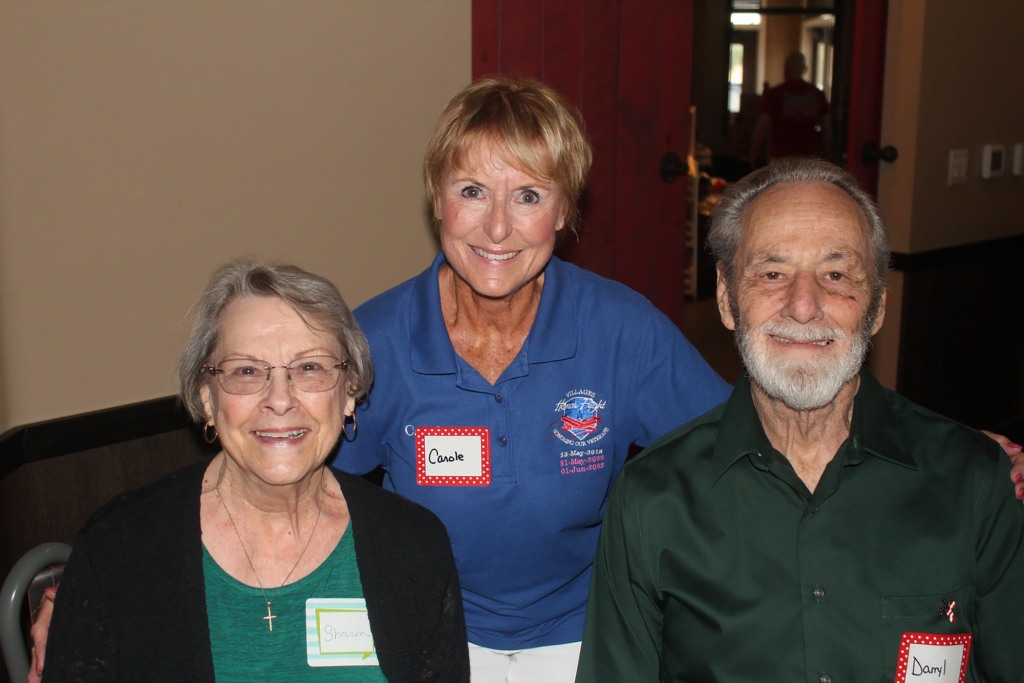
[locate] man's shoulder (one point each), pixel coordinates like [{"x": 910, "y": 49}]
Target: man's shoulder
[
  {"x": 930, "y": 434},
  {"x": 798, "y": 85},
  {"x": 682, "y": 448}
]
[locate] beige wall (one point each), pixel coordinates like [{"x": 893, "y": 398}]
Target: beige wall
[
  {"x": 782, "y": 36},
  {"x": 142, "y": 143},
  {"x": 954, "y": 78}
]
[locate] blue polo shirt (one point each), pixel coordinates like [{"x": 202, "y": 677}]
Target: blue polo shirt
[{"x": 601, "y": 369}]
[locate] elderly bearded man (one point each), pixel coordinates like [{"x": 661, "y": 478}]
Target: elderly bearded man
[{"x": 815, "y": 527}]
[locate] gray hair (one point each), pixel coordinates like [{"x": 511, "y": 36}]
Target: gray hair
[
  {"x": 730, "y": 213},
  {"x": 314, "y": 298}
]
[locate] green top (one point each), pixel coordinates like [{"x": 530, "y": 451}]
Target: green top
[
  {"x": 244, "y": 648},
  {"x": 717, "y": 563}
]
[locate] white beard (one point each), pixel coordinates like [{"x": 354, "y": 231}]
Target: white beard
[{"x": 800, "y": 384}]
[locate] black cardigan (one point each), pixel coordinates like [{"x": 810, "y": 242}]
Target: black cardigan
[{"x": 132, "y": 602}]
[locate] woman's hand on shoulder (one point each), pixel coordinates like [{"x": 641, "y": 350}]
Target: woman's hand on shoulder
[{"x": 1016, "y": 453}]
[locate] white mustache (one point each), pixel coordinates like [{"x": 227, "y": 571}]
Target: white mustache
[{"x": 802, "y": 333}]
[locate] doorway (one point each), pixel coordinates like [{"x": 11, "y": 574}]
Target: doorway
[
  {"x": 634, "y": 69},
  {"x": 740, "y": 48},
  {"x": 844, "y": 43}
]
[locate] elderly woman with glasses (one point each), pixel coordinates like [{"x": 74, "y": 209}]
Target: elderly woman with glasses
[{"x": 263, "y": 563}]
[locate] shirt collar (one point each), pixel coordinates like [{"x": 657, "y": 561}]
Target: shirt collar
[
  {"x": 874, "y": 430},
  {"x": 876, "y": 427},
  {"x": 557, "y": 320},
  {"x": 741, "y": 434}
]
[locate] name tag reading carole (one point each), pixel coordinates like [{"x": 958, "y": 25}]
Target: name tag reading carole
[
  {"x": 930, "y": 657},
  {"x": 338, "y": 633},
  {"x": 453, "y": 456}
]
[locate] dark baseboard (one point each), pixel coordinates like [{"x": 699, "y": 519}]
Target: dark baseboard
[{"x": 951, "y": 256}]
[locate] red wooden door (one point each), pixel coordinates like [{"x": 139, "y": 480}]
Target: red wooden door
[
  {"x": 627, "y": 65},
  {"x": 866, "y": 80}
]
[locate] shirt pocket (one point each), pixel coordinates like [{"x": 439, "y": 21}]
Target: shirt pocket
[{"x": 924, "y": 614}]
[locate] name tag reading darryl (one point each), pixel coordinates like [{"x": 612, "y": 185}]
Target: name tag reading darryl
[
  {"x": 933, "y": 657},
  {"x": 453, "y": 456}
]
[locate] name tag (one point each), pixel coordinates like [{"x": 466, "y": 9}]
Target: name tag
[
  {"x": 930, "y": 657},
  {"x": 453, "y": 456},
  {"x": 338, "y": 633}
]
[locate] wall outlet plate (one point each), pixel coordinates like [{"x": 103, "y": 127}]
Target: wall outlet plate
[{"x": 993, "y": 159}]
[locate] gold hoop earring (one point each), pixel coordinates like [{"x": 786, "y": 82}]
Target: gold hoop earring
[
  {"x": 210, "y": 432},
  {"x": 349, "y": 432}
]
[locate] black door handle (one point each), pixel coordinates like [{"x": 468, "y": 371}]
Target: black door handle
[
  {"x": 671, "y": 167},
  {"x": 872, "y": 153}
]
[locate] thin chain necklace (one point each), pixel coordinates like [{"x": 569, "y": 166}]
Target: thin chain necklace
[{"x": 270, "y": 600}]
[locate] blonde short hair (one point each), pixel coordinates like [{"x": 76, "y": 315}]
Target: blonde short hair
[{"x": 542, "y": 134}]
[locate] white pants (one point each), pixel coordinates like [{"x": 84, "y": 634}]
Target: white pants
[{"x": 550, "y": 664}]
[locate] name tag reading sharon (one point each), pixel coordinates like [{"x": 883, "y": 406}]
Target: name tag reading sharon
[
  {"x": 453, "y": 456},
  {"x": 931, "y": 657},
  {"x": 338, "y": 633}
]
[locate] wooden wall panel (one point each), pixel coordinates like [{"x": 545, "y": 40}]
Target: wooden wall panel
[{"x": 627, "y": 66}]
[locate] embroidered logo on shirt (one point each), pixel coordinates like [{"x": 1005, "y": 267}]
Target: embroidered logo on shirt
[
  {"x": 580, "y": 428},
  {"x": 581, "y": 419},
  {"x": 579, "y": 413}
]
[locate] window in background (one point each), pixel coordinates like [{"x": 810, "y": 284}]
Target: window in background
[{"x": 735, "y": 76}]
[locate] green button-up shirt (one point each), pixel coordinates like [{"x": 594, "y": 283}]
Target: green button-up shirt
[{"x": 716, "y": 563}]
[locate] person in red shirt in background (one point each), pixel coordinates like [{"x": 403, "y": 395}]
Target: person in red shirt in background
[{"x": 794, "y": 118}]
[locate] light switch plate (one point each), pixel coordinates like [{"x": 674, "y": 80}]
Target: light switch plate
[
  {"x": 957, "y": 174},
  {"x": 1018, "y": 159}
]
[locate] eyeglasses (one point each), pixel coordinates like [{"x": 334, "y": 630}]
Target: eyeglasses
[{"x": 248, "y": 376}]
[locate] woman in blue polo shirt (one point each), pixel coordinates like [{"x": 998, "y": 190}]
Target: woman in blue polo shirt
[{"x": 510, "y": 384}]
